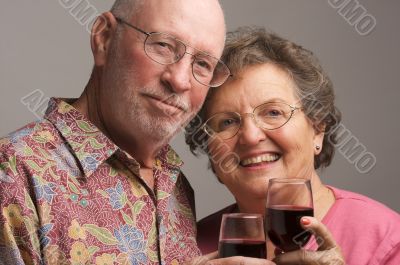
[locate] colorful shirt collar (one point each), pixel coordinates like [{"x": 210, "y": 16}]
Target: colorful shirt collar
[{"x": 81, "y": 135}]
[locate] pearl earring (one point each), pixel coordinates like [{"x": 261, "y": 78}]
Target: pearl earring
[{"x": 317, "y": 147}]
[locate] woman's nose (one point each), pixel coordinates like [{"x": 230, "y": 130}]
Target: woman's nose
[{"x": 250, "y": 133}]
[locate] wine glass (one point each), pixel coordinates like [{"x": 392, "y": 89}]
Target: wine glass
[
  {"x": 242, "y": 234},
  {"x": 288, "y": 200}
]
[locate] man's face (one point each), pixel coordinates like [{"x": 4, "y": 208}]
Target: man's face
[{"x": 142, "y": 99}]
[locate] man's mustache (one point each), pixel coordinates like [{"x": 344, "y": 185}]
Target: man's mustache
[{"x": 172, "y": 99}]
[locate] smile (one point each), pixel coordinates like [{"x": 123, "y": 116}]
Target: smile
[{"x": 260, "y": 159}]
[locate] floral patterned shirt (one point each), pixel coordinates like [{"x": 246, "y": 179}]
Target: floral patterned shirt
[{"x": 69, "y": 195}]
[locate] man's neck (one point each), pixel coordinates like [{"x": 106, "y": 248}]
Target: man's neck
[{"x": 144, "y": 151}]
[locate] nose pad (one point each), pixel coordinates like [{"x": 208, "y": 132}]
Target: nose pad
[
  {"x": 179, "y": 74},
  {"x": 252, "y": 117},
  {"x": 250, "y": 132}
]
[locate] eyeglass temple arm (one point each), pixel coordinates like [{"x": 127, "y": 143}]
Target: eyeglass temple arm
[{"x": 119, "y": 20}]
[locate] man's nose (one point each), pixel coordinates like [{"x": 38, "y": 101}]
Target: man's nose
[{"x": 179, "y": 74}]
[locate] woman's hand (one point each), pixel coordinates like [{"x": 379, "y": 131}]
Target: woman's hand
[
  {"x": 328, "y": 252},
  {"x": 212, "y": 259}
]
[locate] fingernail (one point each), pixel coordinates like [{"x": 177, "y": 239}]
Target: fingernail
[
  {"x": 278, "y": 252},
  {"x": 305, "y": 221}
]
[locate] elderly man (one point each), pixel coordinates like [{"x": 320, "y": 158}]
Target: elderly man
[{"x": 95, "y": 181}]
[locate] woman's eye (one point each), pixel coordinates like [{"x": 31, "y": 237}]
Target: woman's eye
[
  {"x": 224, "y": 124},
  {"x": 270, "y": 112},
  {"x": 274, "y": 113}
]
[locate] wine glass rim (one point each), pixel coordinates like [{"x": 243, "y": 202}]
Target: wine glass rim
[
  {"x": 289, "y": 180},
  {"x": 242, "y": 215}
]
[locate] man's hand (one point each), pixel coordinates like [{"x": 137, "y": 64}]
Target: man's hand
[{"x": 328, "y": 252}]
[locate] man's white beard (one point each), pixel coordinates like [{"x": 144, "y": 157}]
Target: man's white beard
[{"x": 160, "y": 128}]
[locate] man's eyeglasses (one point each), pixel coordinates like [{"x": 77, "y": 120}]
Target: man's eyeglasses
[
  {"x": 166, "y": 49},
  {"x": 269, "y": 116}
]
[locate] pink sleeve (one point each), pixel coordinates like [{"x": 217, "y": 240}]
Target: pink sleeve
[
  {"x": 369, "y": 233},
  {"x": 392, "y": 257}
]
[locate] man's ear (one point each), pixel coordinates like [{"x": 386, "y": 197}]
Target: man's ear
[{"x": 102, "y": 33}]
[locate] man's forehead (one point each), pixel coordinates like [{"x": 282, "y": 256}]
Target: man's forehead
[{"x": 186, "y": 20}]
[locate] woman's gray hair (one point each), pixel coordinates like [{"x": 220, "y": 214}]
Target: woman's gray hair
[{"x": 253, "y": 46}]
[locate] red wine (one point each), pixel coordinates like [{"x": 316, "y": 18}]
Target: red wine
[
  {"x": 242, "y": 247},
  {"x": 283, "y": 226}
]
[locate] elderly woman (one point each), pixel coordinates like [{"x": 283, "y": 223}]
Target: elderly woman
[{"x": 276, "y": 118}]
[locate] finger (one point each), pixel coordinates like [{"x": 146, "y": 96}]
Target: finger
[
  {"x": 332, "y": 256},
  {"x": 297, "y": 257},
  {"x": 240, "y": 261},
  {"x": 322, "y": 235},
  {"x": 202, "y": 259},
  {"x": 212, "y": 255}
]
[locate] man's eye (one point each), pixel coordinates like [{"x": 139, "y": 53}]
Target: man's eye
[
  {"x": 163, "y": 45},
  {"x": 205, "y": 65}
]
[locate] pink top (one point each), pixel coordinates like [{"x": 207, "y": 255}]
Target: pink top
[{"x": 367, "y": 231}]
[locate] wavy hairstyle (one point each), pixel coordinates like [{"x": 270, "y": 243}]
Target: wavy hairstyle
[{"x": 250, "y": 46}]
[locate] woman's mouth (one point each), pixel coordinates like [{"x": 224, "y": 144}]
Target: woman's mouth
[{"x": 256, "y": 160}]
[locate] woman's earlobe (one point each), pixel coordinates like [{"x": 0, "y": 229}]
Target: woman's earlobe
[{"x": 317, "y": 148}]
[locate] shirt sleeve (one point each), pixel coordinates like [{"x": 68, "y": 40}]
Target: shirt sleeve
[
  {"x": 393, "y": 258},
  {"x": 390, "y": 257},
  {"x": 388, "y": 248},
  {"x": 19, "y": 241}
]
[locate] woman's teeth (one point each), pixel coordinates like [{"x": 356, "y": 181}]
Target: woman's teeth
[{"x": 259, "y": 159}]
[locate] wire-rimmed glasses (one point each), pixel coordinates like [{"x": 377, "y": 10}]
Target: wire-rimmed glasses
[
  {"x": 166, "y": 49},
  {"x": 269, "y": 116}
]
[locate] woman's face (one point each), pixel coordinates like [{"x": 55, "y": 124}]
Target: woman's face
[{"x": 286, "y": 152}]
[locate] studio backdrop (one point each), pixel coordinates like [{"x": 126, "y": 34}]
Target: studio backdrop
[{"x": 45, "y": 52}]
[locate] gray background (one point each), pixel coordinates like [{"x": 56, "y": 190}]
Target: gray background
[{"x": 43, "y": 46}]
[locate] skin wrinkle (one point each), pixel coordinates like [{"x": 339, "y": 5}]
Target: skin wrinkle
[
  {"x": 328, "y": 252},
  {"x": 253, "y": 46},
  {"x": 156, "y": 127},
  {"x": 124, "y": 78},
  {"x": 295, "y": 141},
  {"x": 250, "y": 137}
]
